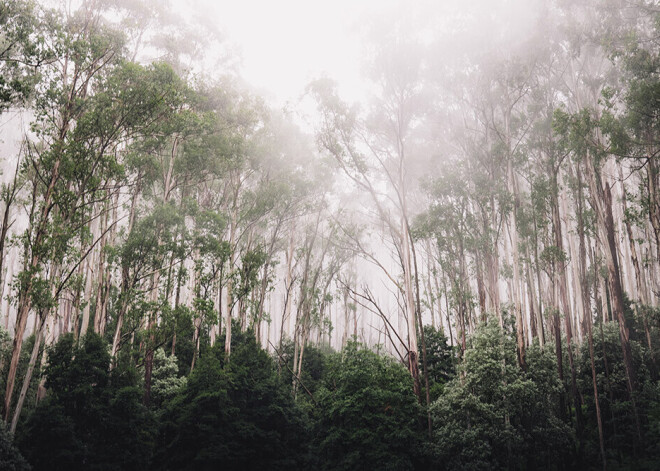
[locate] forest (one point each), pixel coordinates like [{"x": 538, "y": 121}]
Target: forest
[{"x": 459, "y": 271}]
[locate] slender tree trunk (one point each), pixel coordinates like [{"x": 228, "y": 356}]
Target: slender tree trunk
[
  {"x": 344, "y": 337},
  {"x": 565, "y": 305},
  {"x": 429, "y": 290},
  {"x": 38, "y": 335},
  {"x": 535, "y": 314},
  {"x": 421, "y": 332},
  {"x": 149, "y": 348},
  {"x": 232, "y": 261},
  {"x": 439, "y": 296},
  {"x": 639, "y": 274},
  {"x": 197, "y": 320},
  {"x": 602, "y": 202},
  {"x": 513, "y": 233},
  {"x": 22, "y": 316},
  {"x": 296, "y": 347},
  {"x": 42, "y": 319},
  {"x": 481, "y": 290},
  {"x": 409, "y": 304},
  {"x": 587, "y": 320},
  {"x": 556, "y": 324},
  {"x": 288, "y": 284},
  {"x": 444, "y": 285},
  {"x": 9, "y": 195},
  {"x": 654, "y": 200},
  {"x": 99, "y": 317},
  {"x": 86, "y": 298}
]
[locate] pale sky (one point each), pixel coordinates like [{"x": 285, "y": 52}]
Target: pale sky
[{"x": 285, "y": 44}]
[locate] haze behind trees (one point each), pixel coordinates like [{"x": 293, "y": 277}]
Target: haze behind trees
[{"x": 459, "y": 269}]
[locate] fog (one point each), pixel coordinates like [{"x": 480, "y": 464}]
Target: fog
[
  {"x": 387, "y": 165},
  {"x": 439, "y": 220}
]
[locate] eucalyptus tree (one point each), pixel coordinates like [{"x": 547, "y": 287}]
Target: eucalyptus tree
[
  {"x": 507, "y": 120},
  {"x": 177, "y": 162},
  {"x": 238, "y": 116},
  {"x": 583, "y": 127},
  {"x": 548, "y": 164},
  {"x": 23, "y": 50},
  {"x": 631, "y": 123},
  {"x": 630, "y": 119},
  {"x": 84, "y": 111},
  {"x": 319, "y": 261},
  {"x": 107, "y": 126},
  {"x": 371, "y": 151},
  {"x": 452, "y": 226},
  {"x": 492, "y": 406},
  {"x": 290, "y": 181},
  {"x": 209, "y": 256}
]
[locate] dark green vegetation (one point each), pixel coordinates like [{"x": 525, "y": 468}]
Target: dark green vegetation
[
  {"x": 357, "y": 411},
  {"x": 464, "y": 274}
]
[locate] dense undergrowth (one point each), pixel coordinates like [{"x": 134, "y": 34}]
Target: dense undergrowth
[{"x": 353, "y": 409}]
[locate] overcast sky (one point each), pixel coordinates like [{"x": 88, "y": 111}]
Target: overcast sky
[{"x": 286, "y": 43}]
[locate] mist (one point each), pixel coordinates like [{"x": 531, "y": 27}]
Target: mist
[{"x": 307, "y": 235}]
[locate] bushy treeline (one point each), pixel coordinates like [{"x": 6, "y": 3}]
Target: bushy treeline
[
  {"x": 149, "y": 211},
  {"x": 353, "y": 409}
]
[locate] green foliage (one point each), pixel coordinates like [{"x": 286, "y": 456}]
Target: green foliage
[
  {"x": 165, "y": 380},
  {"x": 203, "y": 160},
  {"x": 440, "y": 360},
  {"x": 622, "y": 444},
  {"x": 367, "y": 414},
  {"x": 314, "y": 368},
  {"x": 184, "y": 347},
  {"x": 5, "y": 355},
  {"x": 22, "y": 50},
  {"x": 10, "y": 458},
  {"x": 23, "y": 362},
  {"x": 247, "y": 278},
  {"x": 91, "y": 418},
  {"x": 635, "y": 125},
  {"x": 236, "y": 415},
  {"x": 495, "y": 416},
  {"x": 5, "y": 345}
]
